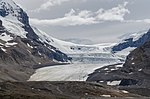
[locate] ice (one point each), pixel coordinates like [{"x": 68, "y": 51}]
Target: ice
[
  {"x": 106, "y": 69},
  {"x": 10, "y": 44},
  {"x": 106, "y": 95},
  {"x": 5, "y": 37},
  {"x": 29, "y": 45},
  {"x": 3, "y": 49},
  {"x": 113, "y": 82},
  {"x": 135, "y": 35},
  {"x": 71, "y": 72},
  {"x": 124, "y": 91},
  {"x": 118, "y": 66},
  {"x": 14, "y": 27},
  {"x": 140, "y": 70},
  {"x": 87, "y": 54}
]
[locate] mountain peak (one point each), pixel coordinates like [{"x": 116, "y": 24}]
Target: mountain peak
[
  {"x": 11, "y": 2},
  {"x": 9, "y": 9}
]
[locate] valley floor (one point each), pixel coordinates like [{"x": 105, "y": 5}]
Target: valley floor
[{"x": 70, "y": 72}]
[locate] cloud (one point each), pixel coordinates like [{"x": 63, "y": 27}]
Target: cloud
[
  {"x": 116, "y": 13},
  {"x": 85, "y": 17},
  {"x": 144, "y": 20},
  {"x": 138, "y": 21},
  {"x": 70, "y": 19},
  {"x": 49, "y": 3}
]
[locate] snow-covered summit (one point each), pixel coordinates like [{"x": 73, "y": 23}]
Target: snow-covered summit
[
  {"x": 135, "y": 35},
  {"x": 9, "y": 3},
  {"x": 133, "y": 40},
  {"x": 15, "y": 29},
  {"x": 11, "y": 10}
]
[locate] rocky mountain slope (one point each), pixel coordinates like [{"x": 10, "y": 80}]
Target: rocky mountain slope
[
  {"x": 133, "y": 75},
  {"x": 132, "y": 40},
  {"x": 135, "y": 71},
  {"x": 21, "y": 48}
]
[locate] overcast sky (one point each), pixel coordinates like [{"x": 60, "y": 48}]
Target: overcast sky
[{"x": 97, "y": 20}]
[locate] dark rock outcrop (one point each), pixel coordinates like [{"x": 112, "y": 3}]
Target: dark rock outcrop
[
  {"x": 1, "y": 23},
  {"x": 59, "y": 90},
  {"x": 137, "y": 66}
]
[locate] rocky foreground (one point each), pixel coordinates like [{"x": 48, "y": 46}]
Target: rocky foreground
[{"x": 60, "y": 90}]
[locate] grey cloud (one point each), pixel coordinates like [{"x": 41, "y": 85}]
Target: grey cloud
[
  {"x": 137, "y": 20},
  {"x": 86, "y": 17}
]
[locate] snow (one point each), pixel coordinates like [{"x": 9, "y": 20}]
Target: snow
[
  {"x": 14, "y": 27},
  {"x": 140, "y": 70},
  {"x": 71, "y": 72},
  {"x": 132, "y": 58},
  {"x": 118, "y": 66},
  {"x": 135, "y": 35},
  {"x": 29, "y": 45},
  {"x": 106, "y": 95},
  {"x": 3, "y": 49},
  {"x": 10, "y": 2},
  {"x": 113, "y": 83},
  {"x": 71, "y": 48},
  {"x": 131, "y": 73},
  {"x": 29, "y": 51},
  {"x": 95, "y": 54},
  {"x": 101, "y": 81},
  {"x": 124, "y": 91},
  {"x": 10, "y": 44},
  {"x": 11, "y": 9},
  {"x": 94, "y": 58},
  {"x": 112, "y": 69},
  {"x": 126, "y": 51},
  {"x": 39, "y": 53},
  {"x": 5, "y": 37},
  {"x": 106, "y": 69}
]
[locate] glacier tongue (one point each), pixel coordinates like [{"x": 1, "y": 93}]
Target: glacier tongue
[{"x": 71, "y": 72}]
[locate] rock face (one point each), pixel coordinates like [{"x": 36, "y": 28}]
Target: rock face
[
  {"x": 138, "y": 66},
  {"x": 1, "y": 23},
  {"x": 1, "y": 26}
]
